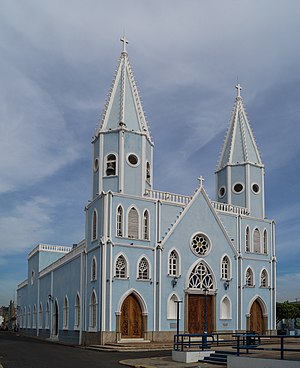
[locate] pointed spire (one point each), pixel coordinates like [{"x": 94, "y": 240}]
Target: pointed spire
[
  {"x": 123, "y": 108},
  {"x": 239, "y": 146}
]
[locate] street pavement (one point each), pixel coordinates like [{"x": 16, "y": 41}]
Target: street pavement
[{"x": 24, "y": 352}]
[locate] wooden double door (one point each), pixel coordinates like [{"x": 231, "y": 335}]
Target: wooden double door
[
  {"x": 131, "y": 318},
  {"x": 196, "y": 313},
  {"x": 256, "y": 318}
]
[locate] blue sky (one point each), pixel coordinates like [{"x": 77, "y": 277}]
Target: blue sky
[{"x": 56, "y": 66}]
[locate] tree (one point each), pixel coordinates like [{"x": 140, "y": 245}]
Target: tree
[{"x": 287, "y": 310}]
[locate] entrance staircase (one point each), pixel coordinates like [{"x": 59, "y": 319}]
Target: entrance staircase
[
  {"x": 219, "y": 357},
  {"x": 133, "y": 346}
]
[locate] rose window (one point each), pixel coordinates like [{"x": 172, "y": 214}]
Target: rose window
[{"x": 200, "y": 244}]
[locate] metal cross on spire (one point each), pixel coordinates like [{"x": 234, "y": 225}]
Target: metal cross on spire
[
  {"x": 125, "y": 41},
  {"x": 239, "y": 88},
  {"x": 201, "y": 180}
]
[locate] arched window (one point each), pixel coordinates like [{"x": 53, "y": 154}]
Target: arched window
[
  {"x": 34, "y": 317},
  {"x": 143, "y": 269},
  {"x": 133, "y": 224},
  {"x": 94, "y": 225},
  {"x": 40, "y": 316},
  {"x": 93, "y": 310},
  {"x": 256, "y": 241},
  {"x": 47, "y": 316},
  {"x": 111, "y": 164},
  {"x": 249, "y": 277},
  {"x": 264, "y": 278},
  {"x": 225, "y": 268},
  {"x": 120, "y": 221},
  {"x": 121, "y": 267},
  {"x": 173, "y": 263},
  {"x": 94, "y": 269},
  {"x": 201, "y": 277},
  {"x": 146, "y": 225},
  {"x": 172, "y": 307},
  {"x": 77, "y": 311},
  {"x": 24, "y": 319},
  {"x": 66, "y": 313},
  {"x": 225, "y": 308},
  {"x": 247, "y": 235},
  {"x": 265, "y": 242},
  {"x": 148, "y": 172}
]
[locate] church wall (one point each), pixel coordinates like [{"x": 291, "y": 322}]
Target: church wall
[
  {"x": 98, "y": 206},
  {"x": 140, "y": 204},
  {"x": 221, "y": 180},
  {"x": 133, "y": 176},
  {"x": 256, "y": 199},
  {"x": 145, "y": 288},
  {"x": 96, "y": 172},
  {"x": 238, "y": 176},
  {"x": 110, "y": 145},
  {"x": 230, "y": 223},
  {"x": 198, "y": 219},
  {"x": 169, "y": 215}
]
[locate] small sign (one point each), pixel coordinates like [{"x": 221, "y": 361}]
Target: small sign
[{"x": 173, "y": 325}]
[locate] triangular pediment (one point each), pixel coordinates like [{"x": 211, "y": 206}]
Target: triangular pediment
[{"x": 199, "y": 216}]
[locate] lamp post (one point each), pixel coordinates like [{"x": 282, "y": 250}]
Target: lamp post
[{"x": 204, "y": 339}]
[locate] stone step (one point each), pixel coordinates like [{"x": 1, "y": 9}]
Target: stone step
[{"x": 146, "y": 346}]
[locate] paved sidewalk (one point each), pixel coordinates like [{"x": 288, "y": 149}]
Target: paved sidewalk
[{"x": 164, "y": 362}]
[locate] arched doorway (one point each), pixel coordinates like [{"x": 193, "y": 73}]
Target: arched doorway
[
  {"x": 200, "y": 299},
  {"x": 55, "y": 319},
  {"x": 131, "y": 318},
  {"x": 256, "y": 318}
]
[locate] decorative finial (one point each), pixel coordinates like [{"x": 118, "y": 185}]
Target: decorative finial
[
  {"x": 125, "y": 41},
  {"x": 201, "y": 180},
  {"x": 239, "y": 88}
]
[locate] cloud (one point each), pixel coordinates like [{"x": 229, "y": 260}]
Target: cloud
[{"x": 27, "y": 224}]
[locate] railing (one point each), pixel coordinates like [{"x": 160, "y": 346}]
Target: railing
[
  {"x": 50, "y": 248},
  {"x": 184, "y": 200},
  {"x": 224, "y": 207},
  {"x": 183, "y": 342},
  {"x": 253, "y": 342},
  {"x": 168, "y": 197}
]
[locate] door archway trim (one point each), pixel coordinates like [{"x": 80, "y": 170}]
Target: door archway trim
[{"x": 139, "y": 298}]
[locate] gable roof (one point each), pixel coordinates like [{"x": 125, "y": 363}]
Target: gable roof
[
  {"x": 123, "y": 107},
  {"x": 200, "y": 191},
  {"x": 239, "y": 146}
]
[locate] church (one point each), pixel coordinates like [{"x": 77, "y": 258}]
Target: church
[{"x": 145, "y": 250}]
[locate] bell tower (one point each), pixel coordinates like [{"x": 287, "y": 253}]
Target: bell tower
[
  {"x": 240, "y": 171},
  {"x": 122, "y": 145}
]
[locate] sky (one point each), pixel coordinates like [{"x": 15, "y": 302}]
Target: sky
[{"x": 57, "y": 62}]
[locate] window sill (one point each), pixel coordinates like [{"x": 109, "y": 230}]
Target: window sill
[
  {"x": 226, "y": 319},
  {"x": 144, "y": 280},
  {"x": 76, "y": 328},
  {"x": 247, "y": 286},
  {"x": 121, "y": 278},
  {"x": 65, "y": 329},
  {"x": 92, "y": 329}
]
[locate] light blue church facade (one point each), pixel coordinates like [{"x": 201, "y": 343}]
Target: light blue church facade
[{"x": 145, "y": 249}]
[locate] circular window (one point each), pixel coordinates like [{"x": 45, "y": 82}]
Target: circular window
[
  {"x": 238, "y": 187},
  {"x": 255, "y": 188},
  {"x": 96, "y": 164},
  {"x": 222, "y": 191},
  {"x": 200, "y": 244},
  {"x": 133, "y": 159}
]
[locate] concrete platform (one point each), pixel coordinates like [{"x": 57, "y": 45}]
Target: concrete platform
[{"x": 255, "y": 357}]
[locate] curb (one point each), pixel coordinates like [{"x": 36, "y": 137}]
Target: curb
[{"x": 125, "y": 362}]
